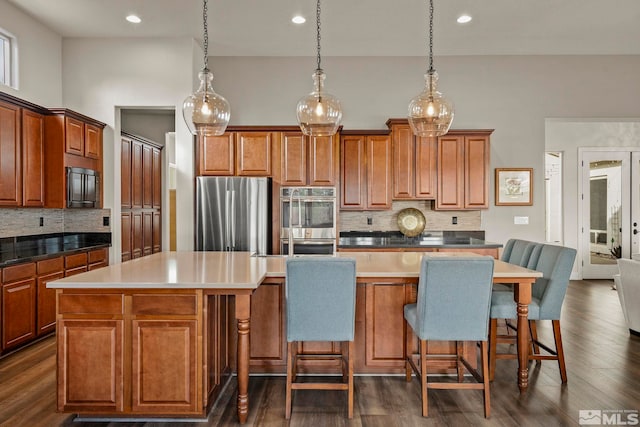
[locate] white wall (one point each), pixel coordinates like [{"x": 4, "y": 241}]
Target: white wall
[
  {"x": 511, "y": 94},
  {"x": 104, "y": 75},
  {"x": 150, "y": 124},
  {"x": 39, "y": 58}
]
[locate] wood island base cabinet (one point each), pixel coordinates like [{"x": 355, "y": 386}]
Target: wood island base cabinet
[{"x": 141, "y": 353}]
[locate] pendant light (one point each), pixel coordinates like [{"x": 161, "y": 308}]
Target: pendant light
[
  {"x": 206, "y": 112},
  {"x": 319, "y": 113},
  {"x": 430, "y": 113}
]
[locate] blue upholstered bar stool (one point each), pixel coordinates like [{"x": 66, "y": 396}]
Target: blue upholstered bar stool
[
  {"x": 547, "y": 295},
  {"x": 518, "y": 252},
  {"x": 320, "y": 294},
  {"x": 454, "y": 295}
]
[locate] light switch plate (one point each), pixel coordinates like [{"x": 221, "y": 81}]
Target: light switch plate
[{"x": 521, "y": 220}]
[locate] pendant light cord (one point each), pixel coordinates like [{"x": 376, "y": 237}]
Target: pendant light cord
[
  {"x": 431, "y": 70},
  {"x": 206, "y": 35},
  {"x": 318, "y": 58}
]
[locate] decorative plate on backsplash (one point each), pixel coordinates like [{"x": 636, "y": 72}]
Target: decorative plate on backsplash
[{"x": 411, "y": 222}]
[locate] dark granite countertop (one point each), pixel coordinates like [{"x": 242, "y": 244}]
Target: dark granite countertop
[
  {"x": 15, "y": 250},
  {"x": 432, "y": 239}
]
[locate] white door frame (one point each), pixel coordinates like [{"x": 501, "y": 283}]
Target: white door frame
[{"x": 584, "y": 156}]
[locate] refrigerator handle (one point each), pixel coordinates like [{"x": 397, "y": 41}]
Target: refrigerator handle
[
  {"x": 232, "y": 232},
  {"x": 227, "y": 220}
]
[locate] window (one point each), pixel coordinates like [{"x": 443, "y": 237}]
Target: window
[{"x": 7, "y": 59}]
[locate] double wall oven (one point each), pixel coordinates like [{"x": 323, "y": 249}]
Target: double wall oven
[{"x": 308, "y": 220}]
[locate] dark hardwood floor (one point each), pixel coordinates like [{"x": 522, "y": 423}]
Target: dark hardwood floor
[{"x": 603, "y": 363}]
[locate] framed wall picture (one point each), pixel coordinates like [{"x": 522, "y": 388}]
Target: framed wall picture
[{"x": 514, "y": 186}]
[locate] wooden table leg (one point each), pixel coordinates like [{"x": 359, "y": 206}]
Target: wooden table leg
[
  {"x": 522, "y": 297},
  {"x": 243, "y": 309}
]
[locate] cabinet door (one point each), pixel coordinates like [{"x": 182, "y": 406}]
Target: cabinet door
[
  {"x": 92, "y": 141},
  {"x": 163, "y": 377},
  {"x": 157, "y": 232},
  {"x": 384, "y": 324},
  {"x": 352, "y": 173},
  {"x": 378, "y": 172},
  {"x": 46, "y": 303},
  {"x": 253, "y": 153},
  {"x": 157, "y": 178},
  {"x": 147, "y": 176},
  {"x": 74, "y": 136},
  {"x": 450, "y": 173},
  {"x": 476, "y": 166},
  {"x": 403, "y": 163},
  {"x": 294, "y": 158},
  {"x": 127, "y": 235},
  {"x": 425, "y": 168},
  {"x": 216, "y": 155},
  {"x": 147, "y": 233},
  {"x": 268, "y": 340},
  {"x": 90, "y": 367},
  {"x": 10, "y": 172},
  {"x": 125, "y": 173},
  {"x": 136, "y": 174},
  {"x": 136, "y": 235},
  {"x": 323, "y": 160},
  {"x": 32, "y": 158},
  {"x": 18, "y": 312}
]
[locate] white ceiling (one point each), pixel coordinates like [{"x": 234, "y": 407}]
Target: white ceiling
[{"x": 360, "y": 27}]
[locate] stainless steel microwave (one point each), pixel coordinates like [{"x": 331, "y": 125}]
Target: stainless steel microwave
[{"x": 82, "y": 188}]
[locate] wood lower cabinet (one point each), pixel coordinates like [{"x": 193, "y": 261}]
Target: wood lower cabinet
[
  {"x": 48, "y": 271},
  {"x": 18, "y": 305},
  {"x": 127, "y": 236},
  {"x": 75, "y": 264},
  {"x": 268, "y": 334},
  {"x": 143, "y": 350},
  {"x": 365, "y": 172}
]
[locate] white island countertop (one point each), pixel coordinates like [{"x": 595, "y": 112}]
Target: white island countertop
[{"x": 240, "y": 270}]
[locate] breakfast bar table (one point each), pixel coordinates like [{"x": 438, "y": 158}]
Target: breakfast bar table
[{"x": 151, "y": 337}]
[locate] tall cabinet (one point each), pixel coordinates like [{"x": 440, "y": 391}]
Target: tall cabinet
[{"x": 141, "y": 196}]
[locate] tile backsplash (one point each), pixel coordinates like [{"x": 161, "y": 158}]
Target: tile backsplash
[
  {"x": 387, "y": 220},
  {"x": 26, "y": 221}
]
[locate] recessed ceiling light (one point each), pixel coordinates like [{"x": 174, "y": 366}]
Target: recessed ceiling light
[
  {"x": 135, "y": 19},
  {"x": 463, "y": 19},
  {"x": 298, "y": 19}
]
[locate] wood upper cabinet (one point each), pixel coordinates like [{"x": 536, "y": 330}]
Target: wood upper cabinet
[
  {"x": 253, "y": 153},
  {"x": 74, "y": 136},
  {"x": 216, "y": 155},
  {"x": 365, "y": 171},
  {"x": 92, "y": 141},
  {"x": 414, "y": 163},
  {"x": 463, "y": 170},
  {"x": 308, "y": 160},
  {"x": 32, "y": 158},
  {"x": 10, "y": 155}
]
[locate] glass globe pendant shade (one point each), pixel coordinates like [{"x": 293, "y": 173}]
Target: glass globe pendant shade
[
  {"x": 319, "y": 113},
  {"x": 430, "y": 113},
  {"x": 205, "y": 112}
]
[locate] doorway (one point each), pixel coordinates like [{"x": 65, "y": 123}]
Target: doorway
[{"x": 610, "y": 209}]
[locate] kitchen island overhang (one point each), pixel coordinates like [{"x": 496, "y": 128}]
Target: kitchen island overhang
[{"x": 156, "y": 333}]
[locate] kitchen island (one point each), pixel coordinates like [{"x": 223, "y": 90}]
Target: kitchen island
[{"x": 155, "y": 336}]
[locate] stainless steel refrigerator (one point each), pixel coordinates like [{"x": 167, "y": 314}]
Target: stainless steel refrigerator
[{"x": 233, "y": 214}]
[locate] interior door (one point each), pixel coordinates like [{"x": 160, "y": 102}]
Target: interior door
[{"x": 606, "y": 212}]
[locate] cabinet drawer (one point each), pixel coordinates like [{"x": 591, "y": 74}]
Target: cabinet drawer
[
  {"x": 19, "y": 272},
  {"x": 164, "y": 304},
  {"x": 73, "y": 271},
  {"x": 77, "y": 260},
  {"x": 98, "y": 255},
  {"x": 50, "y": 265},
  {"x": 90, "y": 304}
]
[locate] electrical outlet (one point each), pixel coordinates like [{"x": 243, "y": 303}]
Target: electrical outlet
[
  {"x": 369, "y": 220},
  {"x": 105, "y": 221},
  {"x": 454, "y": 220},
  {"x": 41, "y": 221}
]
